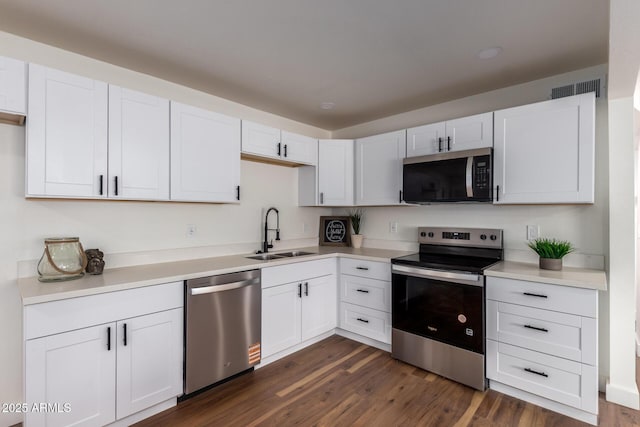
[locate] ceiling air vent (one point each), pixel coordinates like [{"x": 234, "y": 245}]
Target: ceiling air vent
[{"x": 595, "y": 85}]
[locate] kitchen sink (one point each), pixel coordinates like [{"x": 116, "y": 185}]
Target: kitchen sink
[
  {"x": 295, "y": 253},
  {"x": 265, "y": 257}
]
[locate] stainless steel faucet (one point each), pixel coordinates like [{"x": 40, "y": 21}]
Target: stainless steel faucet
[{"x": 266, "y": 245}]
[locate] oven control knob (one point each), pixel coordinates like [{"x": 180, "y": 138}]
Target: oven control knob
[
  {"x": 493, "y": 237},
  {"x": 483, "y": 237},
  {"x": 423, "y": 234},
  {"x": 431, "y": 234}
]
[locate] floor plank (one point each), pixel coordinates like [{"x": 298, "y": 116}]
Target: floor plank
[{"x": 339, "y": 382}]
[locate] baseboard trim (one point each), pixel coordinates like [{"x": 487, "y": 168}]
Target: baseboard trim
[
  {"x": 364, "y": 340},
  {"x": 272, "y": 358},
  {"x": 146, "y": 413},
  {"x": 624, "y": 396}
]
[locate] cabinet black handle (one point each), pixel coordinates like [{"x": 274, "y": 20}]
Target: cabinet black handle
[
  {"x": 529, "y": 294},
  {"x": 362, "y": 320},
  {"x": 101, "y": 185},
  {"x": 306, "y": 288},
  {"x": 536, "y": 328},
  {"x": 448, "y": 143},
  {"x": 400, "y": 197},
  {"x": 109, "y": 339},
  {"x": 321, "y": 198},
  {"x": 279, "y": 147},
  {"x": 362, "y": 268},
  {"x": 124, "y": 340},
  {"x": 364, "y": 291},
  {"x": 285, "y": 150},
  {"x": 542, "y": 374},
  {"x": 439, "y": 145},
  {"x": 116, "y": 189},
  {"x": 238, "y": 192},
  {"x": 299, "y": 290},
  {"x": 497, "y": 193}
]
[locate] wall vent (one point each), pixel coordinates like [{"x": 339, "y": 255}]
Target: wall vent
[{"x": 595, "y": 85}]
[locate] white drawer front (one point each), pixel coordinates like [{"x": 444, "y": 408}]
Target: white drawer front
[
  {"x": 561, "y": 380},
  {"x": 563, "y": 335},
  {"x": 370, "y": 269},
  {"x": 564, "y": 299},
  {"x": 278, "y": 275},
  {"x": 366, "y": 322},
  {"x": 372, "y": 293}
]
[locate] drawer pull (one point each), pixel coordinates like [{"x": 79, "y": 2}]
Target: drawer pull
[
  {"x": 529, "y": 294},
  {"x": 363, "y": 268},
  {"x": 364, "y": 291},
  {"x": 542, "y": 374},
  {"x": 362, "y": 320},
  {"x": 536, "y": 328}
]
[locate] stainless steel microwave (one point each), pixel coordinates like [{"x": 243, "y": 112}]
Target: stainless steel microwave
[{"x": 459, "y": 176}]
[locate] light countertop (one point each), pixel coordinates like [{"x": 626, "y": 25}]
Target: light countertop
[
  {"x": 34, "y": 292},
  {"x": 568, "y": 276}
]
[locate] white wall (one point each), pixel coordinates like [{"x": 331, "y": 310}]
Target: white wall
[{"x": 129, "y": 231}]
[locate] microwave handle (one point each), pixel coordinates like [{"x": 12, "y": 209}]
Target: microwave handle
[{"x": 469, "y": 176}]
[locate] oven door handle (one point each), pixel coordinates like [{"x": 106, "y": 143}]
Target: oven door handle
[
  {"x": 469, "y": 176},
  {"x": 474, "y": 279}
]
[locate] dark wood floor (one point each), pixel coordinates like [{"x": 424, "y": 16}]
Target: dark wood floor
[{"x": 339, "y": 382}]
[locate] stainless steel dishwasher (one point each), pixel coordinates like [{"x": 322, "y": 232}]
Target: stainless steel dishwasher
[{"x": 222, "y": 327}]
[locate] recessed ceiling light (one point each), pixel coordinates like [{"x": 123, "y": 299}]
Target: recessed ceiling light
[
  {"x": 488, "y": 53},
  {"x": 327, "y": 105}
]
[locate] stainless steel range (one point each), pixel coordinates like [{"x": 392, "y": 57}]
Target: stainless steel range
[{"x": 438, "y": 308}]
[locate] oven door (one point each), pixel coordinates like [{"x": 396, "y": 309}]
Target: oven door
[{"x": 444, "y": 306}]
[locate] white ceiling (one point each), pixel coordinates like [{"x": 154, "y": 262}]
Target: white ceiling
[{"x": 372, "y": 58}]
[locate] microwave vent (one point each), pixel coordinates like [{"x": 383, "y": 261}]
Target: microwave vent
[{"x": 594, "y": 85}]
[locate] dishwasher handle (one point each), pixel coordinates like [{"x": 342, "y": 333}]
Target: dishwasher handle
[{"x": 224, "y": 287}]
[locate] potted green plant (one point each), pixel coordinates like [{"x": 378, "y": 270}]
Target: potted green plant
[
  {"x": 551, "y": 252},
  {"x": 356, "y": 222}
]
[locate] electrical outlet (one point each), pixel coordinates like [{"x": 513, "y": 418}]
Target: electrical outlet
[
  {"x": 393, "y": 227},
  {"x": 191, "y": 230},
  {"x": 533, "y": 232}
]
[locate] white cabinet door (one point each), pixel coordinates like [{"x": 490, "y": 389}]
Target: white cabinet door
[
  {"x": 149, "y": 360},
  {"x": 205, "y": 155},
  {"x": 13, "y": 86},
  {"x": 544, "y": 152},
  {"x": 66, "y": 132},
  {"x": 319, "y": 306},
  {"x": 281, "y": 308},
  {"x": 335, "y": 172},
  {"x": 426, "y": 139},
  {"x": 468, "y": 133},
  {"x": 299, "y": 148},
  {"x": 138, "y": 145},
  {"x": 76, "y": 368},
  {"x": 261, "y": 140},
  {"x": 379, "y": 168}
]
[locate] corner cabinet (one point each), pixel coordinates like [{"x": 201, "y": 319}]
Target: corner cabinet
[
  {"x": 299, "y": 304},
  {"x": 268, "y": 143},
  {"x": 109, "y": 357},
  {"x": 378, "y": 169},
  {"x": 465, "y": 133},
  {"x": 544, "y": 152},
  {"x": 66, "y": 154},
  {"x": 205, "y": 155},
  {"x": 13, "y": 90}
]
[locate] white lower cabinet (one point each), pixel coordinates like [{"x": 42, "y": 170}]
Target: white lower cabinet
[
  {"x": 298, "y": 304},
  {"x": 542, "y": 345},
  {"x": 95, "y": 375},
  {"x": 365, "y": 299}
]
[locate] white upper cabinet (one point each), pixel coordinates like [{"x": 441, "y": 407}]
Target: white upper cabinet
[
  {"x": 138, "y": 145},
  {"x": 378, "y": 168},
  {"x": 299, "y": 148},
  {"x": 544, "y": 152},
  {"x": 335, "y": 172},
  {"x": 205, "y": 155},
  {"x": 66, "y": 152},
  {"x": 272, "y": 144},
  {"x": 13, "y": 91},
  {"x": 465, "y": 133}
]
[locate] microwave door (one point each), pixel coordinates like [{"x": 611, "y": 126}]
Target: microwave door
[{"x": 469, "y": 177}]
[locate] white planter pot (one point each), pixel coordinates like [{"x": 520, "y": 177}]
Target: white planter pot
[{"x": 356, "y": 240}]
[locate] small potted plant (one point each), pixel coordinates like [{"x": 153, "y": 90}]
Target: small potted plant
[
  {"x": 551, "y": 252},
  {"x": 356, "y": 221}
]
